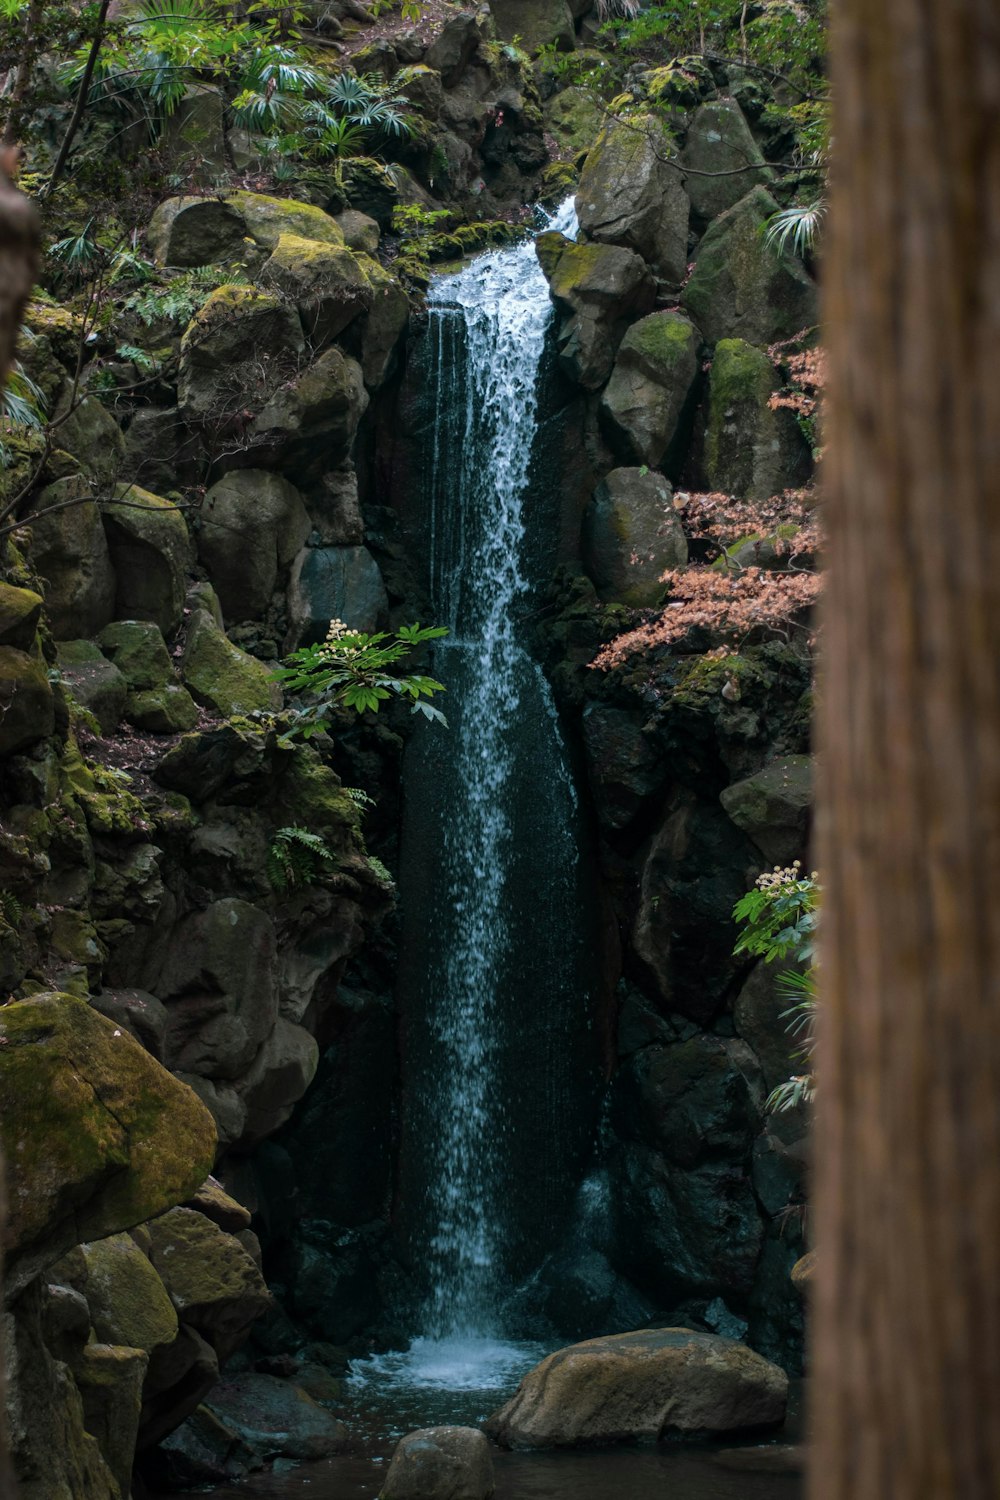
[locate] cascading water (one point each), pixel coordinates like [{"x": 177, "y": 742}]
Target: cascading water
[{"x": 496, "y": 964}]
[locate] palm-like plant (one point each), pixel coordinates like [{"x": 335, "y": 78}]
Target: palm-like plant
[
  {"x": 796, "y": 228},
  {"x": 22, "y": 409}
]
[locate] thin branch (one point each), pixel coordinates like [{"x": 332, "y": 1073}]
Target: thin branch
[{"x": 81, "y": 100}]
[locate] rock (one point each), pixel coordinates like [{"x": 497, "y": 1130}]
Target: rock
[
  {"x": 90, "y": 433},
  {"x": 223, "y": 1104},
  {"x": 280, "y": 1074},
  {"x": 252, "y": 525},
  {"x": 575, "y": 117},
  {"x": 268, "y": 218},
  {"x": 127, "y": 1300},
  {"x": 71, "y": 555},
  {"x": 631, "y": 535},
  {"x": 803, "y": 1271},
  {"x": 97, "y": 1136},
  {"x": 141, "y": 1014},
  {"x": 582, "y": 1291},
  {"x": 212, "y": 1282},
  {"x": 760, "y": 1019},
  {"x": 234, "y": 325},
  {"x": 214, "y": 1202},
  {"x": 360, "y": 232},
  {"x": 325, "y": 282},
  {"x": 110, "y": 1379},
  {"x": 168, "y": 709},
  {"x": 454, "y": 47},
  {"x": 600, "y": 290},
  {"x": 158, "y": 449},
  {"x": 151, "y": 553},
  {"x": 334, "y": 1285},
  {"x": 27, "y": 706},
  {"x": 196, "y": 232},
  {"x": 275, "y": 1418},
  {"x": 697, "y": 869},
  {"x": 218, "y": 982},
  {"x": 773, "y": 807},
  {"x": 645, "y": 1386},
  {"x": 194, "y": 136},
  {"x": 334, "y": 583},
  {"x": 632, "y": 194},
  {"x": 740, "y": 286},
  {"x": 650, "y": 385},
  {"x": 199, "y": 765},
  {"x": 719, "y": 141},
  {"x": 624, "y": 765},
  {"x": 138, "y": 650},
  {"x": 689, "y": 1100},
  {"x": 367, "y": 186},
  {"x": 220, "y": 675},
  {"x": 440, "y": 1463},
  {"x": 204, "y": 1451},
  {"x": 387, "y": 320},
  {"x": 750, "y": 451},
  {"x": 536, "y": 23},
  {"x": 20, "y": 610},
  {"x": 308, "y": 426},
  {"x": 93, "y": 681},
  {"x": 177, "y": 1380}
]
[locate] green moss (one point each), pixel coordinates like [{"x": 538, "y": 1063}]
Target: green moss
[
  {"x": 269, "y": 218},
  {"x": 311, "y": 796}
]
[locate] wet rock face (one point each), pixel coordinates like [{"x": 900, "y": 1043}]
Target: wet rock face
[
  {"x": 642, "y": 1386},
  {"x": 440, "y": 1463}
]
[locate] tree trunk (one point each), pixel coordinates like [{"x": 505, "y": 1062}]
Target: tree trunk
[{"x": 906, "y": 1356}]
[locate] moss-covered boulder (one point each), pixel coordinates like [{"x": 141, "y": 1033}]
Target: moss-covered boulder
[
  {"x": 308, "y": 426},
  {"x": 20, "y": 611},
  {"x": 89, "y": 432},
  {"x": 151, "y": 554},
  {"x": 96, "y": 1135},
  {"x": 27, "y": 707},
  {"x": 93, "y": 681},
  {"x": 650, "y": 385},
  {"x": 642, "y": 1387},
  {"x": 535, "y": 23},
  {"x": 334, "y": 583},
  {"x": 70, "y": 553},
  {"x": 167, "y": 709},
  {"x": 140, "y": 653},
  {"x": 385, "y": 324},
  {"x": 631, "y": 535},
  {"x": 367, "y": 185},
  {"x": 213, "y": 1284},
  {"x": 236, "y": 325},
  {"x": 751, "y": 450},
  {"x": 360, "y": 232},
  {"x": 631, "y": 193},
  {"x": 128, "y": 1302},
  {"x": 773, "y": 807},
  {"x": 253, "y": 523},
  {"x": 741, "y": 286},
  {"x": 268, "y": 218},
  {"x": 220, "y": 675},
  {"x": 719, "y": 142},
  {"x": 325, "y": 282},
  {"x": 194, "y": 231},
  {"x": 574, "y": 118},
  {"x": 599, "y": 290}
]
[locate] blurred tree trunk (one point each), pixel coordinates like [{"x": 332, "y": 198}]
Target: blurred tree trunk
[
  {"x": 19, "y": 247},
  {"x": 906, "y": 1354}
]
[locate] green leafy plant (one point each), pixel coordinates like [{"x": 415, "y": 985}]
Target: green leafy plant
[
  {"x": 359, "y": 797},
  {"x": 182, "y": 296},
  {"x": 379, "y": 870},
  {"x": 352, "y": 669},
  {"x": 296, "y": 858},
  {"x": 11, "y": 910},
  {"x": 795, "y": 228},
  {"x": 778, "y": 917},
  {"x": 22, "y": 410}
]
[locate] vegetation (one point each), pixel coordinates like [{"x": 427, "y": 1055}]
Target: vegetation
[{"x": 296, "y": 858}]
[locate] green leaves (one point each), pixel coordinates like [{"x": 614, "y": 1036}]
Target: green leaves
[
  {"x": 296, "y": 858},
  {"x": 354, "y": 670}
]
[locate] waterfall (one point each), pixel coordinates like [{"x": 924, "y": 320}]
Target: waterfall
[{"x": 495, "y": 965}]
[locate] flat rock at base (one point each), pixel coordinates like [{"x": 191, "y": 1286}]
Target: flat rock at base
[
  {"x": 642, "y": 1387},
  {"x": 275, "y": 1419},
  {"x": 440, "y": 1463}
]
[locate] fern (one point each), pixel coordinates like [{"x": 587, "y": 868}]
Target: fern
[
  {"x": 380, "y": 871},
  {"x": 183, "y": 296},
  {"x": 11, "y": 910},
  {"x": 358, "y": 797},
  {"x": 296, "y": 858}
]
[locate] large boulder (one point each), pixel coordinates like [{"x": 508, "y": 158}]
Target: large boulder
[
  {"x": 138, "y": 650},
  {"x": 773, "y": 807},
  {"x": 252, "y": 525},
  {"x": 334, "y": 583},
  {"x": 93, "y": 681},
  {"x": 280, "y": 1074},
  {"x": 97, "y": 1136},
  {"x": 649, "y": 387},
  {"x": 90, "y": 433},
  {"x": 151, "y": 553},
  {"x": 646, "y": 1386},
  {"x": 27, "y": 706},
  {"x": 631, "y": 535},
  {"x": 221, "y": 676},
  {"x": 575, "y": 118},
  {"x": 275, "y": 1418},
  {"x": 308, "y": 425},
  {"x": 624, "y": 764},
  {"x": 385, "y": 324},
  {"x": 440, "y": 1463},
  {"x": 718, "y": 144},
  {"x": 536, "y": 23},
  {"x": 128, "y": 1302},
  {"x": 69, "y": 551},
  {"x": 20, "y": 611},
  {"x": 193, "y": 231},
  {"x": 741, "y": 285},
  {"x": 751, "y": 450},
  {"x": 599, "y": 290},
  {"x": 212, "y": 1282},
  {"x": 631, "y": 193},
  {"x": 268, "y": 218},
  {"x": 326, "y": 283},
  {"x": 235, "y": 326}
]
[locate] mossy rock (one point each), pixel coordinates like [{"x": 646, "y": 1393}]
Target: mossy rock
[
  {"x": 649, "y": 387},
  {"x": 360, "y": 232},
  {"x": 365, "y": 184},
  {"x": 310, "y": 795},
  {"x": 719, "y": 142},
  {"x": 211, "y": 1280},
  {"x": 27, "y": 705},
  {"x": 20, "y": 611},
  {"x": 194, "y": 231},
  {"x": 253, "y": 524},
  {"x": 536, "y": 23},
  {"x": 69, "y": 550},
  {"x": 632, "y": 194},
  {"x": 741, "y": 286},
  {"x": 127, "y": 1300},
  {"x": 575, "y": 118},
  {"x": 631, "y": 535},
  {"x": 326, "y": 283},
  {"x": 221, "y": 676},
  {"x": 385, "y": 325},
  {"x": 90, "y": 434},
  {"x": 235, "y": 325},
  {"x": 308, "y": 427},
  {"x": 96, "y": 1135},
  {"x": 140, "y": 653},
  {"x": 151, "y": 554},
  {"x": 600, "y": 289},
  {"x": 168, "y": 709},
  {"x": 268, "y": 218},
  {"x": 773, "y": 807},
  {"x": 750, "y": 450}
]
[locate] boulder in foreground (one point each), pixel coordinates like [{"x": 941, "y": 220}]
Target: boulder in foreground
[
  {"x": 642, "y": 1387},
  {"x": 440, "y": 1463}
]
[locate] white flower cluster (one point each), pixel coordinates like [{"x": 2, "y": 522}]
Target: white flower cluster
[{"x": 780, "y": 876}]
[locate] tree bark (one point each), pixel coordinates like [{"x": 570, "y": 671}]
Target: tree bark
[{"x": 906, "y": 1355}]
